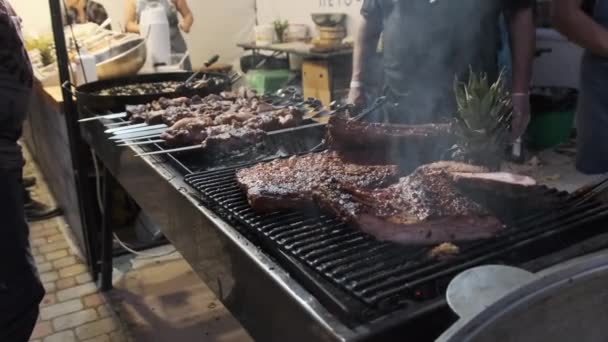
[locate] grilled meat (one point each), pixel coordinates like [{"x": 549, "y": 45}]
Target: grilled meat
[
  {"x": 274, "y": 120},
  {"x": 407, "y": 145},
  {"x": 444, "y": 251},
  {"x": 189, "y": 131},
  {"x": 289, "y": 183},
  {"x": 507, "y": 195},
  {"x": 231, "y": 118},
  {"x": 174, "y": 114},
  {"x": 234, "y": 141},
  {"x": 425, "y": 207}
]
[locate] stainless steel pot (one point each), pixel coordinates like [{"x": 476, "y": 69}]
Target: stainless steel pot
[
  {"x": 568, "y": 303},
  {"x": 122, "y": 60}
]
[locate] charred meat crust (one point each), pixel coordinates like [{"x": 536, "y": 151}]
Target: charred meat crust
[{"x": 288, "y": 183}]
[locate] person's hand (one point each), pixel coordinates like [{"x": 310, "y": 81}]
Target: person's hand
[
  {"x": 356, "y": 97},
  {"x": 521, "y": 115},
  {"x": 184, "y": 28}
]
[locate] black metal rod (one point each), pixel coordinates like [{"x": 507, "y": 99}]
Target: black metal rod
[
  {"x": 106, "y": 233},
  {"x": 77, "y": 145}
]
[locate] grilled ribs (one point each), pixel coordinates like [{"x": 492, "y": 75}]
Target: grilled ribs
[
  {"x": 409, "y": 146},
  {"x": 289, "y": 183},
  {"x": 425, "y": 207}
]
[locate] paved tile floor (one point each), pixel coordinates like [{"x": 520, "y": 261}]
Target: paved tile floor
[
  {"x": 72, "y": 309},
  {"x": 155, "y": 299}
]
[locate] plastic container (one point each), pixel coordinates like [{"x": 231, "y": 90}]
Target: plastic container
[
  {"x": 267, "y": 81},
  {"x": 297, "y": 33},
  {"x": 552, "y": 118},
  {"x": 86, "y": 68},
  {"x": 264, "y": 35}
]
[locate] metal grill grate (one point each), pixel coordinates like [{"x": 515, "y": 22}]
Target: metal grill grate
[{"x": 360, "y": 278}]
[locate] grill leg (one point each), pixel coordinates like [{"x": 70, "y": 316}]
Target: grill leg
[{"x": 106, "y": 234}]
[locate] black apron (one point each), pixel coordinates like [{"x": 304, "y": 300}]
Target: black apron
[
  {"x": 427, "y": 45},
  {"x": 592, "y": 113}
]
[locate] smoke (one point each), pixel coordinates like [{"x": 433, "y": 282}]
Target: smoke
[{"x": 426, "y": 45}]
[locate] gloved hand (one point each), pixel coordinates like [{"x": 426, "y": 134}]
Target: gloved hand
[{"x": 521, "y": 115}]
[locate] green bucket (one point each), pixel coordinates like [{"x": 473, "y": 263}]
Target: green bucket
[
  {"x": 268, "y": 81},
  {"x": 549, "y": 129}
]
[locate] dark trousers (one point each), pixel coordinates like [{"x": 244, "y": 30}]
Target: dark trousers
[{"x": 20, "y": 288}]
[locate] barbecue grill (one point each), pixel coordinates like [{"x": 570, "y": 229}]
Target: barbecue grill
[
  {"x": 362, "y": 280},
  {"x": 306, "y": 276}
]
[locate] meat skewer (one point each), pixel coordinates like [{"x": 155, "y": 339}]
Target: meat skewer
[
  {"x": 119, "y": 129},
  {"x": 102, "y": 117},
  {"x": 220, "y": 140},
  {"x": 137, "y": 128}
]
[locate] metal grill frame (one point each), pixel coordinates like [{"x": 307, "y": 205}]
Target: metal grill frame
[{"x": 423, "y": 281}]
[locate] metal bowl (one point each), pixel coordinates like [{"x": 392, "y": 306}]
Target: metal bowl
[
  {"x": 122, "y": 60},
  {"x": 328, "y": 19}
]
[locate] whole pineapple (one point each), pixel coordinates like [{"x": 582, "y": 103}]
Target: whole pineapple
[{"x": 482, "y": 120}]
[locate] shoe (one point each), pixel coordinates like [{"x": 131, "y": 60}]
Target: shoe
[
  {"x": 29, "y": 182},
  {"x": 36, "y": 211}
]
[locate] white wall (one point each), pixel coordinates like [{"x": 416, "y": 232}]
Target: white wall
[
  {"x": 218, "y": 26},
  {"x": 298, "y": 11},
  {"x": 35, "y": 14}
]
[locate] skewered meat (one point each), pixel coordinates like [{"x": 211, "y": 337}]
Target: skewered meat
[
  {"x": 189, "y": 131},
  {"x": 407, "y": 145},
  {"x": 174, "y": 114},
  {"x": 164, "y": 103},
  {"x": 278, "y": 119},
  {"x": 423, "y": 208},
  {"x": 231, "y": 118},
  {"x": 289, "y": 183},
  {"x": 229, "y": 140},
  {"x": 137, "y": 113}
]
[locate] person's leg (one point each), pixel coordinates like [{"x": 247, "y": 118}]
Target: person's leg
[
  {"x": 37, "y": 211},
  {"x": 20, "y": 288}
]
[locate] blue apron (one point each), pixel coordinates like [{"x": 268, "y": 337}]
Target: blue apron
[{"x": 592, "y": 113}]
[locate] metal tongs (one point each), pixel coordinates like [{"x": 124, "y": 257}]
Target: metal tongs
[
  {"x": 188, "y": 83},
  {"x": 377, "y": 103}
]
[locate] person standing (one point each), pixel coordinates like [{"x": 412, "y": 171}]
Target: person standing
[
  {"x": 20, "y": 287},
  {"x": 426, "y": 44},
  {"x": 133, "y": 11},
  {"x": 586, "y": 24},
  {"x": 86, "y": 11}
]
